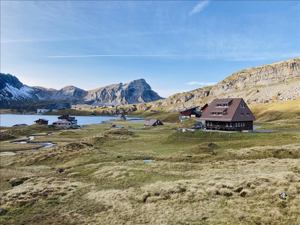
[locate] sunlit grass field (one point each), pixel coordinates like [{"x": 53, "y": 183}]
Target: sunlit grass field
[{"x": 157, "y": 175}]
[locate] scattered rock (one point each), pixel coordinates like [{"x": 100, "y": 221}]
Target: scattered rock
[
  {"x": 60, "y": 170},
  {"x": 239, "y": 189},
  {"x": 3, "y": 211},
  {"x": 244, "y": 193},
  {"x": 17, "y": 181},
  {"x": 283, "y": 195},
  {"x": 225, "y": 192}
]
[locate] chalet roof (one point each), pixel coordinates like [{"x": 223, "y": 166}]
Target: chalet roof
[
  {"x": 224, "y": 101},
  {"x": 188, "y": 109},
  {"x": 236, "y": 110},
  {"x": 66, "y": 117}
]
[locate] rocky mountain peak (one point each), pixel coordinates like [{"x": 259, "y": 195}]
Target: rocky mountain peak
[
  {"x": 14, "y": 91},
  {"x": 8, "y": 79}
]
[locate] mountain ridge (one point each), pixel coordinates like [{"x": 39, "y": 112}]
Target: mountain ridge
[
  {"x": 279, "y": 81},
  {"x": 13, "y": 91}
]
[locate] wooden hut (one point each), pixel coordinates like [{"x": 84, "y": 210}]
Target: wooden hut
[
  {"x": 41, "y": 122},
  {"x": 153, "y": 122}
]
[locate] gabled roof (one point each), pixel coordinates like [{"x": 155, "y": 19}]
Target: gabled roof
[
  {"x": 235, "y": 110},
  {"x": 188, "y": 109},
  {"x": 152, "y": 122}
]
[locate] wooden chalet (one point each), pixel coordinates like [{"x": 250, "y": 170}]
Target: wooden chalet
[
  {"x": 191, "y": 112},
  {"x": 41, "y": 122},
  {"x": 230, "y": 114},
  {"x": 69, "y": 118}
]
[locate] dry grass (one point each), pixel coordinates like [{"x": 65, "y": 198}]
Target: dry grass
[
  {"x": 277, "y": 111},
  {"x": 98, "y": 175}
]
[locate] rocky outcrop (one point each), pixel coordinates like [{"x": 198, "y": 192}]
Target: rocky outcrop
[
  {"x": 275, "y": 82},
  {"x": 278, "y": 81},
  {"x": 137, "y": 91}
]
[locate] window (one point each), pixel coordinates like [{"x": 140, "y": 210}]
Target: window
[{"x": 222, "y": 105}]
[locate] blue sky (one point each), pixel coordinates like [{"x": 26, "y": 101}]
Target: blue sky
[{"x": 175, "y": 45}]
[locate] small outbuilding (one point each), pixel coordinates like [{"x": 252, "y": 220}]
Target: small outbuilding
[
  {"x": 63, "y": 124},
  {"x": 68, "y": 118},
  {"x": 41, "y": 122},
  {"x": 191, "y": 112},
  {"x": 41, "y": 111},
  {"x": 153, "y": 123}
]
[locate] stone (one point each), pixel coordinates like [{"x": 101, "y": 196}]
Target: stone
[
  {"x": 17, "y": 181},
  {"x": 60, "y": 170},
  {"x": 3, "y": 211},
  {"x": 243, "y": 193}
]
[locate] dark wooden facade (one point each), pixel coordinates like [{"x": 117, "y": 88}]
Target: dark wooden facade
[
  {"x": 229, "y": 126},
  {"x": 191, "y": 112}
]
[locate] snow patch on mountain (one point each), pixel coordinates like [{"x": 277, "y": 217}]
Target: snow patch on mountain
[{"x": 17, "y": 94}]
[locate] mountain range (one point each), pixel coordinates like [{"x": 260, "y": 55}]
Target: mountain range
[
  {"x": 267, "y": 83},
  {"x": 14, "y": 92}
]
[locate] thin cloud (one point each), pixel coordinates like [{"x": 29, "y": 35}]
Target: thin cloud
[
  {"x": 199, "y": 7},
  {"x": 229, "y": 56},
  {"x": 113, "y": 55},
  {"x": 193, "y": 83}
]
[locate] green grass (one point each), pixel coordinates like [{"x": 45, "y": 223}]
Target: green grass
[
  {"x": 110, "y": 164},
  {"x": 171, "y": 117}
]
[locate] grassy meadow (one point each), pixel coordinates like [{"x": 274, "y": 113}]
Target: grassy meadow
[{"x": 138, "y": 175}]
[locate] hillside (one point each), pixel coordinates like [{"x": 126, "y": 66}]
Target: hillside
[{"x": 268, "y": 83}]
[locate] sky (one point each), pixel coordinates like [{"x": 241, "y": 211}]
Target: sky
[{"x": 175, "y": 45}]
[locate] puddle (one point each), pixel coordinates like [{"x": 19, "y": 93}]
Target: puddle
[
  {"x": 148, "y": 161},
  {"x": 29, "y": 140},
  {"x": 7, "y": 153},
  {"x": 47, "y": 145}
]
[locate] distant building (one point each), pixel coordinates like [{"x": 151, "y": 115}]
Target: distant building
[
  {"x": 153, "y": 122},
  {"x": 230, "y": 114},
  {"x": 122, "y": 116},
  {"x": 190, "y": 112},
  {"x": 41, "y": 122},
  {"x": 68, "y": 118},
  {"x": 62, "y": 124},
  {"x": 41, "y": 111}
]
